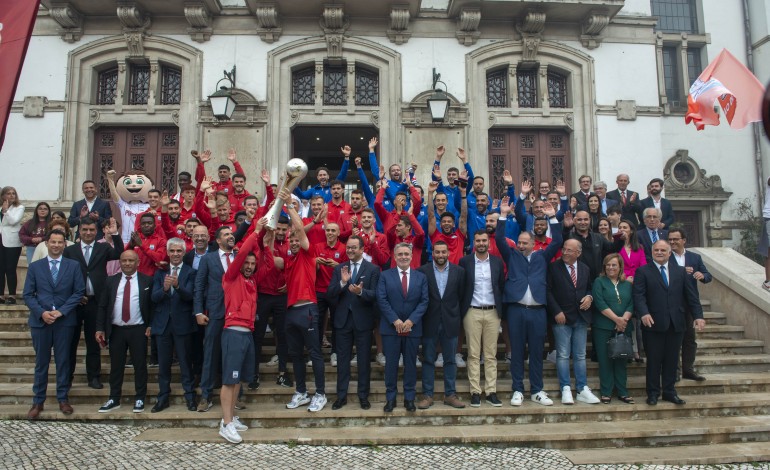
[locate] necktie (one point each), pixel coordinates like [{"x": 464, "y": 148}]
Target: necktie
[
  {"x": 654, "y": 236},
  {"x": 227, "y": 259},
  {"x": 573, "y": 274},
  {"x": 403, "y": 282},
  {"x": 175, "y": 273},
  {"x": 87, "y": 254},
  {"x": 127, "y": 301},
  {"x": 623, "y": 197},
  {"x": 355, "y": 273},
  {"x": 54, "y": 269},
  {"x": 663, "y": 273}
]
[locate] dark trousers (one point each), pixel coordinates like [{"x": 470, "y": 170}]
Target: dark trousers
[
  {"x": 197, "y": 350},
  {"x": 326, "y": 306},
  {"x": 394, "y": 346},
  {"x": 9, "y": 259},
  {"x": 689, "y": 346},
  {"x": 212, "y": 356},
  {"x": 274, "y": 305},
  {"x": 302, "y": 332},
  {"x": 346, "y": 336},
  {"x": 429, "y": 344},
  {"x": 526, "y": 328},
  {"x": 612, "y": 372},
  {"x": 167, "y": 344},
  {"x": 43, "y": 339},
  {"x": 133, "y": 340},
  {"x": 87, "y": 323},
  {"x": 662, "y": 359}
]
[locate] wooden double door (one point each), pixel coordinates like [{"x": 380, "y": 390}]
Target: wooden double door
[
  {"x": 152, "y": 151},
  {"x": 529, "y": 154}
]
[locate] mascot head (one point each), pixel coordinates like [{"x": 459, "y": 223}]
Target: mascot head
[{"x": 133, "y": 187}]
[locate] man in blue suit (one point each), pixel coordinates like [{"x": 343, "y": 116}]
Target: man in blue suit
[
  {"x": 651, "y": 232},
  {"x": 173, "y": 323},
  {"x": 209, "y": 309},
  {"x": 92, "y": 207},
  {"x": 402, "y": 296},
  {"x": 53, "y": 289},
  {"x": 525, "y": 299}
]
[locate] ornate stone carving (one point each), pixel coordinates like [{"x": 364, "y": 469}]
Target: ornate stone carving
[
  {"x": 569, "y": 120},
  {"x": 491, "y": 119},
  {"x": 294, "y": 116},
  {"x": 199, "y": 18},
  {"x": 468, "y": 26},
  {"x": 334, "y": 25},
  {"x": 135, "y": 44},
  {"x": 375, "y": 118},
  {"x": 533, "y": 22},
  {"x": 267, "y": 18},
  {"x": 399, "y": 23},
  {"x": 70, "y": 20},
  {"x": 93, "y": 117},
  {"x": 135, "y": 25},
  {"x": 592, "y": 26},
  {"x": 175, "y": 117},
  {"x": 531, "y": 29}
]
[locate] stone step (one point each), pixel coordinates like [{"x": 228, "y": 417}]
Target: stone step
[
  {"x": 709, "y": 454},
  {"x": 277, "y": 417}
]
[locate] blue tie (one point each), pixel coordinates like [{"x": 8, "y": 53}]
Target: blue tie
[
  {"x": 663, "y": 273},
  {"x": 355, "y": 273},
  {"x": 655, "y": 236},
  {"x": 54, "y": 269}
]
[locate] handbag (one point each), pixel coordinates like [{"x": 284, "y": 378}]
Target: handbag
[{"x": 620, "y": 347}]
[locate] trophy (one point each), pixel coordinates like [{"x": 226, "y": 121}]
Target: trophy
[{"x": 296, "y": 169}]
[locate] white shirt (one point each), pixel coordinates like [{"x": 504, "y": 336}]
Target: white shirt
[
  {"x": 223, "y": 260},
  {"x": 408, "y": 276},
  {"x": 679, "y": 258},
  {"x": 483, "y": 295},
  {"x": 89, "y": 286},
  {"x": 528, "y": 299},
  {"x": 90, "y": 205},
  {"x": 569, "y": 270},
  {"x": 128, "y": 212},
  {"x": 117, "y": 310}
]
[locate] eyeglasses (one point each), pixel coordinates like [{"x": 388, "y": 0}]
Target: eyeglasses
[{"x": 674, "y": 240}]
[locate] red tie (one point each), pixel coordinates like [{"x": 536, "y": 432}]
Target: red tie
[
  {"x": 573, "y": 275},
  {"x": 623, "y": 197},
  {"x": 127, "y": 300},
  {"x": 227, "y": 259},
  {"x": 403, "y": 282}
]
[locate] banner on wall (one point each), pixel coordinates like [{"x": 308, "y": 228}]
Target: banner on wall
[{"x": 16, "y": 22}]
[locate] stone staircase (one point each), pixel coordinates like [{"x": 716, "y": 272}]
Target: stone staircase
[{"x": 726, "y": 418}]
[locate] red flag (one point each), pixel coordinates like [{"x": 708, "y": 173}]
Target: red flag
[
  {"x": 16, "y": 22},
  {"x": 728, "y": 84}
]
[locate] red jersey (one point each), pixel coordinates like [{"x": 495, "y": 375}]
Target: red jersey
[
  {"x": 156, "y": 212},
  {"x": 236, "y": 200},
  {"x": 226, "y": 187},
  {"x": 192, "y": 212},
  {"x": 493, "y": 250},
  {"x": 455, "y": 242},
  {"x": 390, "y": 219},
  {"x": 337, "y": 211},
  {"x": 300, "y": 276},
  {"x": 316, "y": 234},
  {"x": 336, "y": 253},
  {"x": 417, "y": 241},
  {"x": 543, "y": 245},
  {"x": 241, "y": 291},
  {"x": 269, "y": 277},
  {"x": 376, "y": 247},
  {"x": 152, "y": 251},
  {"x": 171, "y": 228}
]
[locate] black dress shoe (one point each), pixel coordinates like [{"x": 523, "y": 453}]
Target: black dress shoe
[
  {"x": 192, "y": 406},
  {"x": 365, "y": 405},
  {"x": 389, "y": 405},
  {"x": 652, "y": 401},
  {"x": 339, "y": 403},
  {"x": 409, "y": 405},
  {"x": 674, "y": 399},
  {"x": 693, "y": 376},
  {"x": 95, "y": 383},
  {"x": 159, "y": 406}
]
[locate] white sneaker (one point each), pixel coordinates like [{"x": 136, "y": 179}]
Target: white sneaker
[
  {"x": 517, "y": 399},
  {"x": 401, "y": 361},
  {"x": 551, "y": 357},
  {"x": 273, "y": 361},
  {"x": 230, "y": 433},
  {"x": 310, "y": 363},
  {"x": 297, "y": 400},
  {"x": 439, "y": 360},
  {"x": 459, "y": 361},
  {"x": 542, "y": 398},
  {"x": 239, "y": 426},
  {"x": 380, "y": 359},
  {"x": 354, "y": 361},
  {"x": 318, "y": 403},
  {"x": 586, "y": 396},
  {"x": 508, "y": 358},
  {"x": 267, "y": 329},
  {"x": 417, "y": 362},
  {"x": 333, "y": 359},
  {"x": 566, "y": 396}
]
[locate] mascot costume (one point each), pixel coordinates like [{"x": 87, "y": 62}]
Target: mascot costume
[{"x": 130, "y": 192}]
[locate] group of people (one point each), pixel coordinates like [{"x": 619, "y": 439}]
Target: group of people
[{"x": 396, "y": 267}]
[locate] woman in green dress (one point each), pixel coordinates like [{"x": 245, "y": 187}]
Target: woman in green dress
[{"x": 613, "y": 300}]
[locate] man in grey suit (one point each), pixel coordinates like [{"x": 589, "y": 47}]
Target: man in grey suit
[
  {"x": 209, "y": 310},
  {"x": 441, "y": 324}
]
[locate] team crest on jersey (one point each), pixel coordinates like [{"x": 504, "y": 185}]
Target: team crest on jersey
[
  {"x": 336, "y": 255},
  {"x": 194, "y": 215},
  {"x": 152, "y": 247},
  {"x": 227, "y": 190}
]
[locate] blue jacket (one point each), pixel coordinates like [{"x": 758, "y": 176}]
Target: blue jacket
[
  {"x": 393, "y": 306},
  {"x": 208, "y": 294},
  {"x": 175, "y": 308},
  {"x": 42, "y": 295},
  {"x": 324, "y": 191}
]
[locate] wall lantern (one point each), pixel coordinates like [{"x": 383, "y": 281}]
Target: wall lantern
[
  {"x": 222, "y": 102},
  {"x": 438, "y": 103}
]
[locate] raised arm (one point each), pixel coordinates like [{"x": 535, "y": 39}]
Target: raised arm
[
  {"x": 432, "y": 186},
  {"x": 296, "y": 221}
]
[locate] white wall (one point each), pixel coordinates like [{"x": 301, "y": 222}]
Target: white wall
[
  {"x": 31, "y": 156},
  {"x": 44, "y": 72},
  {"x": 636, "y": 7},
  {"x": 632, "y": 147},
  {"x": 626, "y": 72}
]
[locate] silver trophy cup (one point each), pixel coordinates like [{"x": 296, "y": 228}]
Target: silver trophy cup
[{"x": 296, "y": 169}]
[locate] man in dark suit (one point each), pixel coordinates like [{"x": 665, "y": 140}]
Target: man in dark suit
[
  {"x": 594, "y": 247},
  {"x": 353, "y": 289},
  {"x": 402, "y": 296},
  {"x": 209, "y": 309},
  {"x": 481, "y": 308},
  {"x": 52, "y": 291},
  {"x": 661, "y": 293},
  {"x": 441, "y": 324},
  {"x": 651, "y": 232},
  {"x": 600, "y": 189},
  {"x": 585, "y": 190},
  {"x": 661, "y": 203},
  {"x": 696, "y": 271},
  {"x": 569, "y": 304},
  {"x": 630, "y": 204},
  {"x": 93, "y": 258},
  {"x": 525, "y": 299},
  {"x": 201, "y": 246},
  {"x": 125, "y": 312},
  {"x": 92, "y": 207},
  {"x": 173, "y": 324}
]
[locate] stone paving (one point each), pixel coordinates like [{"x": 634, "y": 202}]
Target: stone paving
[{"x": 52, "y": 445}]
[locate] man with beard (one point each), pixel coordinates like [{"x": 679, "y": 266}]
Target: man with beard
[
  {"x": 451, "y": 189},
  {"x": 337, "y": 207},
  {"x": 594, "y": 247},
  {"x": 91, "y": 206},
  {"x": 153, "y": 199},
  {"x": 453, "y": 237},
  {"x": 148, "y": 245},
  {"x": 491, "y": 227},
  {"x": 376, "y": 247},
  {"x": 224, "y": 184},
  {"x": 322, "y": 174},
  {"x": 352, "y": 217},
  {"x": 527, "y": 220},
  {"x": 314, "y": 225},
  {"x": 657, "y": 201}
]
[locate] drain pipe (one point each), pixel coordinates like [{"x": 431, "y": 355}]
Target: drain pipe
[{"x": 755, "y": 126}]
